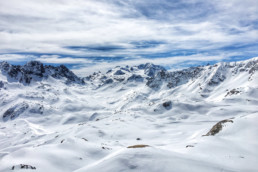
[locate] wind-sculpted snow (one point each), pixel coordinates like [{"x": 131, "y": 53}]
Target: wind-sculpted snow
[{"x": 142, "y": 118}]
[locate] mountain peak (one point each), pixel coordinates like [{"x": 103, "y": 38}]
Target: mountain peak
[{"x": 37, "y": 71}]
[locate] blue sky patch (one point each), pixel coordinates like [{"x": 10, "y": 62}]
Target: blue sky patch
[{"x": 109, "y": 33}]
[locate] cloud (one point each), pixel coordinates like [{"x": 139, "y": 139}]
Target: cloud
[
  {"x": 52, "y": 59},
  {"x": 55, "y": 59},
  {"x": 15, "y": 57},
  {"x": 94, "y": 32}
]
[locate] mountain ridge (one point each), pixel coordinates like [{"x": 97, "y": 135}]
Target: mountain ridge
[
  {"x": 36, "y": 71},
  {"x": 57, "y": 123}
]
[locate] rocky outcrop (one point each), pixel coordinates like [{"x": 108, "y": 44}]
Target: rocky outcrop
[
  {"x": 1, "y": 84},
  {"x": 218, "y": 76},
  {"x": 23, "y": 166},
  {"x": 167, "y": 105},
  {"x": 233, "y": 92},
  {"x": 217, "y": 127},
  {"x": 137, "y": 78},
  {"x": 119, "y": 72},
  {"x": 138, "y": 146},
  {"x": 15, "y": 111},
  {"x": 108, "y": 81}
]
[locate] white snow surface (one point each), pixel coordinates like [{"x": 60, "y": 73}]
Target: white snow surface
[{"x": 87, "y": 128}]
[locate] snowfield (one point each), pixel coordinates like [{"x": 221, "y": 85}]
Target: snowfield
[{"x": 141, "y": 118}]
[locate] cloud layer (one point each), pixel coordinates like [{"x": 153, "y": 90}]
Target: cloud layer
[{"x": 98, "y": 32}]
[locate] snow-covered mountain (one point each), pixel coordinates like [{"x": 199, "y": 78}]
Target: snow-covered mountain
[
  {"x": 36, "y": 71},
  {"x": 139, "y": 118}
]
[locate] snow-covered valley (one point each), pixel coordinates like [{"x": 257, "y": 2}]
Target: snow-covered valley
[{"x": 141, "y": 118}]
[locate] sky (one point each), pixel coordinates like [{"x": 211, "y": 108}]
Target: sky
[{"x": 88, "y": 35}]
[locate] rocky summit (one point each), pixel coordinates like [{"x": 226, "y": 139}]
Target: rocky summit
[{"x": 36, "y": 71}]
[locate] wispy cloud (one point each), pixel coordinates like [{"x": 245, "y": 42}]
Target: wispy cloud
[{"x": 90, "y": 32}]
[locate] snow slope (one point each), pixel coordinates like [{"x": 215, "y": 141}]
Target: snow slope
[{"x": 56, "y": 121}]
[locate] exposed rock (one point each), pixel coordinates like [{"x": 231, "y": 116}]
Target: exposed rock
[
  {"x": 167, "y": 105},
  {"x": 119, "y": 72},
  {"x": 232, "y": 92},
  {"x": 254, "y": 68},
  {"x": 125, "y": 68},
  {"x": 189, "y": 146},
  {"x": 106, "y": 148},
  {"x": 109, "y": 71},
  {"x": 63, "y": 72},
  {"x": 119, "y": 79},
  {"x": 85, "y": 139},
  {"x": 34, "y": 67},
  {"x": 23, "y": 166},
  {"x": 137, "y": 78},
  {"x": 150, "y": 69},
  {"x": 1, "y": 84},
  {"x": 15, "y": 111},
  {"x": 154, "y": 82},
  {"x": 175, "y": 78},
  {"x": 138, "y": 146},
  {"x": 218, "y": 77},
  {"x": 36, "y": 71},
  {"x": 217, "y": 127},
  {"x": 108, "y": 81}
]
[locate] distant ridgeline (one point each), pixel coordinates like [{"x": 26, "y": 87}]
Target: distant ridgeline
[{"x": 153, "y": 75}]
